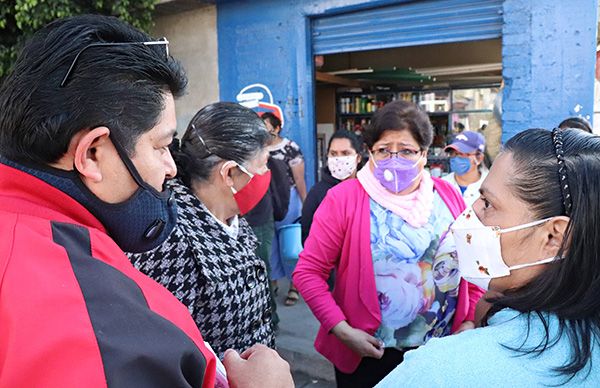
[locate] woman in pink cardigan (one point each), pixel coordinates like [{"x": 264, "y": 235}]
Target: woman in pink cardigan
[{"x": 385, "y": 233}]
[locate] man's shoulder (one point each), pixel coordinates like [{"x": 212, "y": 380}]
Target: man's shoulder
[{"x": 23, "y": 232}]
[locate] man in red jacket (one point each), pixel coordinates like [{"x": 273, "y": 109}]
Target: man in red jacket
[{"x": 86, "y": 118}]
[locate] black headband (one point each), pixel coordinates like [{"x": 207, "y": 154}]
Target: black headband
[{"x": 562, "y": 170}]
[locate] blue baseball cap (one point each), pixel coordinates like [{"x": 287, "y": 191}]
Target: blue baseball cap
[{"x": 467, "y": 142}]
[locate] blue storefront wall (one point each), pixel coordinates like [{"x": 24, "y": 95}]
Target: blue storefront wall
[
  {"x": 269, "y": 42},
  {"x": 548, "y": 58}
]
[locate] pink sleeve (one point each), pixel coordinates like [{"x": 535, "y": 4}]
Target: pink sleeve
[
  {"x": 321, "y": 254},
  {"x": 475, "y": 294}
]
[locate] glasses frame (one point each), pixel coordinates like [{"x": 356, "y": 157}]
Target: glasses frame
[
  {"x": 396, "y": 154},
  {"x": 162, "y": 41}
]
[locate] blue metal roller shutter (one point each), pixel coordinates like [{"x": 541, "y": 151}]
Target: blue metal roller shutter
[{"x": 408, "y": 24}]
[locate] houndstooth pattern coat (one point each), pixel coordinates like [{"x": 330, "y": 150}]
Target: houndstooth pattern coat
[{"x": 220, "y": 279}]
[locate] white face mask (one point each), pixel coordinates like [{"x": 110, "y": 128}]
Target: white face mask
[
  {"x": 341, "y": 167},
  {"x": 479, "y": 252}
]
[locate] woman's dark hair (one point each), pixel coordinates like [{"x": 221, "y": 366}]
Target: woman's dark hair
[
  {"x": 121, "y": 87},
  {"x": 344, "y": 134},
  {"x": 219, "y": 131},
  {"x": 399, "y": 116},
  {"x": 272, "y": 119},
  {"x": 568, "y": 288},
  {"x": 576, "y": 122}
]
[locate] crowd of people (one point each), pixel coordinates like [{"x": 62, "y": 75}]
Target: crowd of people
[{"x": 129, "y": 257}]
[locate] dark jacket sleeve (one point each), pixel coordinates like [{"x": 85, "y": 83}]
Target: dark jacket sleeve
[
  {"x": 279, "y": 188},
  {"x": 309, "y": 207}
]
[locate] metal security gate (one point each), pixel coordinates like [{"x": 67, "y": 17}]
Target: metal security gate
[{"x": 408, "y": 24}]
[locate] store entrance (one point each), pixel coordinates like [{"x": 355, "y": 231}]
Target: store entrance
[{"x": 457, "y": 84}]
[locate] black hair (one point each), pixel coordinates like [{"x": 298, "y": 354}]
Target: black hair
[
  {"x": 273, "y": 120},
  {"x": 121, "y": 87},
  {"x": 567, "y": 288},
  {"x": 577, "y": 122},
  {"x": 399, "y": 116},
  {"x": 345, "y": 134},
  {"x": 219, "y": 131}
]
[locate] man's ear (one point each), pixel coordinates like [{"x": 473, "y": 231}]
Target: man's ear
[{"x": 90, "y": 150}]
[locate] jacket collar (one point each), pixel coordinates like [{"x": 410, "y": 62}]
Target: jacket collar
[{"x": 21, "y": 192}]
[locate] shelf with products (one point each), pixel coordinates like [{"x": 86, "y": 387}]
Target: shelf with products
[
  {"x": 450, "y": 110},
  {"x": 355, "y": 109},
  {"x": 362, "y": 103},
  {"x": 356, "y": 115}
]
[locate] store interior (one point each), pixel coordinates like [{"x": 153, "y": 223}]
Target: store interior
[{"x": 455, "y": 83}]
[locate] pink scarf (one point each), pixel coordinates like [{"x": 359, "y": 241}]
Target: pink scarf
[{"x": 414, "y": 208}]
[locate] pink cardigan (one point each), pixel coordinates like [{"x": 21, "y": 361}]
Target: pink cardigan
[{"x": 340, "y": 238}]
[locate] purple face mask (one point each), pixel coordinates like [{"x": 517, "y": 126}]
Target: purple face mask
[{"x": 396, "y": 174}]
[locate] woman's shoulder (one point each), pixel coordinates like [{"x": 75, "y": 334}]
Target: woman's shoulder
[
  {"x": 290, "y": 143},
  {"x": 486, "y": 356},
  {"x": 291, "y": 148},
  {"x": 449, "y": 196},
  {"x": 349, "y": 187},
  {"x": 345, "y": 196},
  {"x": 463, "y": 359},
  {"x": 184, "y": 196}
]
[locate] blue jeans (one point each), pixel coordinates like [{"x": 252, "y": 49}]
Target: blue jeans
[{"x": 279, "y": 268}]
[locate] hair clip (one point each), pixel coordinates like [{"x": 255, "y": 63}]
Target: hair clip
[{"x": 201, "y": 147}]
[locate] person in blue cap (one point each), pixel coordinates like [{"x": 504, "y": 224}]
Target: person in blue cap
[{"x": 467, "y": 170}]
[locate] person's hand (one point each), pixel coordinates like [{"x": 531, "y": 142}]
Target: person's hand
[
  {"x": 360, "y": 342},
  {"x": 257, "y": 367},
  {"x": 466, "y": 325}
]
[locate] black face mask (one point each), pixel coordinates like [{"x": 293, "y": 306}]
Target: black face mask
[{"x": 139, "y": 224}]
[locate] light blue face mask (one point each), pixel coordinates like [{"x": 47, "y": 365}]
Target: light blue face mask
[{"x": 460, "y": 165}]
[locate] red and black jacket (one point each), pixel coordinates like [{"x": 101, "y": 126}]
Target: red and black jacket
[{"x": 74, "y": 311}]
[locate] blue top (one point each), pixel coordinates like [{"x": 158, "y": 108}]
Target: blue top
[
  {"x": 416, "y": 275},
  {"x": 476, "y": 358}
]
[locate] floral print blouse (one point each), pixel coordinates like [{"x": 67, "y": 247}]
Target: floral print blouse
[
  {"x": 416, "y": 275},
  {"x": 288, "y": 152}
]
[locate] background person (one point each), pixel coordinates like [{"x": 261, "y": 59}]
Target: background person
[
  {"x": 576, "y": 122},
  {"x": 81, "y": 176},
  {"x": 466, "y": 164},
  {"x": 544, "y": 324},
  {"x": 286, "y": 150},
  {"x": 343, "y": 158},
  {"x": 209, "y": 261},
  {"x": 397, "y": 280},
  {"x": 273, "y": 207}
]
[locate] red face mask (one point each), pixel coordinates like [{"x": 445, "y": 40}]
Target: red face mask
[{"x": 251, "y": 194}]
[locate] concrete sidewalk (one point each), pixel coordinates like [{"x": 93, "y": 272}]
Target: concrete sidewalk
[{"x": 297, "y": 331}]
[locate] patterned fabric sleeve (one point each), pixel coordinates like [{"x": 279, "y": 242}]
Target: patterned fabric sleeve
[
  {"x": 168, "y": 265},
  {"x": 293, "y": 154}
]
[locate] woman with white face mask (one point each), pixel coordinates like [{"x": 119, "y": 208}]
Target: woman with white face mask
[
  {"x": 386, "y": 234},
  {"x": 343, "y": 158},
  {"x": 532, "y": 239}
]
